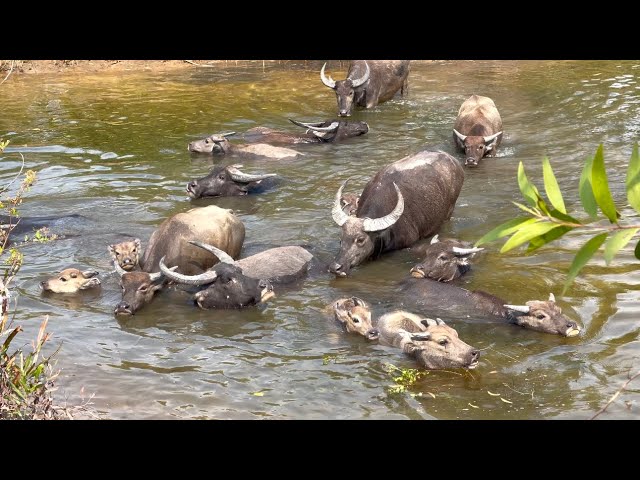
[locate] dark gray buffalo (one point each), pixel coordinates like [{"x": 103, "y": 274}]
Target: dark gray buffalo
[
  {"x": 368, "y": 83},
  {"x": 214, "y": 225},
  {"x": 444, "y": 298},
  {"x": 444, "y": 260},
  {"x": 405, "y": 201},
  {"x": 218, "y": 144},
  {"x": 226, "y": 182},
  {"x": 329, "y": 131},
  {"x": 431, "y": 342},
  {"x": 245, "y": 282},
  {"x": 478, "y": 129}
]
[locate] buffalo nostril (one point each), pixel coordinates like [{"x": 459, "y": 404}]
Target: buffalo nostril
[
  {"x": 263, "y": 284},
  {"x": 572, "y": 325},
  {"x": 193, "y": 184},
  {"x": 475, "y": 354},
  {"x": 42, "y": 284}
]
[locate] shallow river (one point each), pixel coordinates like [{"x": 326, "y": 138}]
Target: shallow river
[{"x": 111, "y": 148}]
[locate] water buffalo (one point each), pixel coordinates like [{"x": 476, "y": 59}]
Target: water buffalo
[
  {"x": 478, "y": 129},
  {"x": 126, "y": 254},
  {"x": 368, "y": 83},
  {"x": 349, "y": 203},
  {"x": 220, "y": 145},
  {"x": 71, "y": 280},
  {"x": 431, "y": 342},
  {"x": 445, "y": 298},
  {"x": 405, "y": 201},
  {"x": 234, "y": 284},
  {"x": 445, "y": 260},
  {"x": 211, "y": 224},
  {"x": 225, "y": 182},
  {"x": 355, "y": 315}
]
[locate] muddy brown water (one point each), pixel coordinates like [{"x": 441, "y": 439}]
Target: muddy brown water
[{"x": 111, "y": 148}]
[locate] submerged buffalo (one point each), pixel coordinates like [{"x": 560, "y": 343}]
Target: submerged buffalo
[
  {"x": 445, "y": 260},
  {"x": 245, "y": 282},
  {"x": 478, "y": 129},
  {"x": 328, "y": 131},
  {"x": 227, "y": 181},
  {"x": 220, "y": 145},
  {"x": 71, "y": 280},
  {"x": 368, "y": 83},
  {"x": 355, "y": 316},
  {"x": 171, "y": 241},
  {"x": 445, "y": 298},
  {"x": 431, "y": 342},
  {"x": 404, "y": 202}
]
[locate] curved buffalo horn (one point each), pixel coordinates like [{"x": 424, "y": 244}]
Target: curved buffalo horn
[
  {"x": 330, "y": 128},
  {"x": 359, "y": 81},
  {"x": 305, "y": 125},
  {"x": 358, "y": 302},
  {"x": 227, "y": 134},
  {"x": 439, "y": 321},
  {"x": 328, "y": 81},
  {"x": 202, "y": 279},
  {"x": 121, "y": 271},
  {"x": 459, "y": 135},
  {"x": 552, "y": 297},
  {"x": 466, "y": 251},
  {"x": 238, "y": 176},
  {"x": 154, "y": 277},
  {"x": 490, "y": 138},
  {"x": 336, "y": 212},
  {"x": 434, "y": 239},
  {"x": 429, "y": 322},
  {"x": 518, "y": 308},
  {"x": 377, "y": 224},
  {"x": 223, "y": 256}
]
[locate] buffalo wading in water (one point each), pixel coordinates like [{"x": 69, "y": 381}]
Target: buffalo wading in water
[
  {"x": 404, "y": 202},
  {"x": 478, "y": 129},
  {"x": 211, "y": 224},
  {"x": 226, "y": 182},
  {"x": 71, "y": 280},
  {"x": 432, "y": 343},
  {"x": 368, "y": 83},
  {"x": 355, "y": 316},
  {"x": 218, "y": 144},
  {"x": 444, "y": 260}
]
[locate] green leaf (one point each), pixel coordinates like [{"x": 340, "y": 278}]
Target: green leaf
[
  {"x": 504, "y": 229},
  {"x": 586, "y": 192},
  {"x": 633, "y": 179},
  {"x": 526, "y": 233},
  {"x": 636, "y": 252},
  {"x": 550, "y": 236},
  {"x": 551, "y": 186},
  {"x": 529, "y": 191},
  {"x": 583, "y": 256},
  {"x": 618, "y": 241},
  {"x": 564, "y": 217},
  {"x": 600, "y": 187},
  {"x": 526, "y": 209}
]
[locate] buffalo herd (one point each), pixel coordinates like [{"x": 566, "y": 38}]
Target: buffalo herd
[{"x": 406, "y": 201}]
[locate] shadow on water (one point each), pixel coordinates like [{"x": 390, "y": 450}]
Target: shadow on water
[{"x": 110, "y": 152}]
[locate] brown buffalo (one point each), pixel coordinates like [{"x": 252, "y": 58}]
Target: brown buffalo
[
  {"x": 368, "y": 83},
  {"x": 126, "y": 254},
  {"x": 431, "y": 342},
  {"x": 478, "y": 129},
  {"x": 355, "y": 316},
  {"x": 71, "y": 280}
]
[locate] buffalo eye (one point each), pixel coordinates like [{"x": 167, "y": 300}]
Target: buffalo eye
[
  {"x": 540, "y": 316},
  {"x": 62, "y": 279},
  {"x": 118, "y": 253},
  {"x": 355, "y": 319},
  {"x": 134, "y": 250},
  {"x": 143, "y": 288},
  {"x": 442, "y": 257},
  {"x": 360, "y": 240},
  {"x": 443, "y": 342},
  {"x": 206, "y": 140}
]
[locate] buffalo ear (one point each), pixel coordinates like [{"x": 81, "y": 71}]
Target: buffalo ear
[
  {"x": 112, "y": 249},
  {"x": 92, "y": 282},
  {"x": 89, "y": 273},
  {"x": 358, "y": 302},
  {"x": 136, "y": 241}
]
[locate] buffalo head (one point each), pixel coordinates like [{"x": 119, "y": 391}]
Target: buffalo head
[
  {"x": 71, "y": 280},
  {"x": 475, "y": 146},
  {"x": 444, "y": 260},
  {"x": 543, "y": 316},
  {"x": 225, "y": 182},
  {"x": 334, "y": 130},
  {"x": 358, "y": 237},
  {"x": 345, "y": 89},
  {"x": 138, "y": 289},
  {"x": 355, "y": 315},
  {"x": 126, "y": 254},
  {"x": 216, "y": 144},
  {"x": 227, "y": 286}
]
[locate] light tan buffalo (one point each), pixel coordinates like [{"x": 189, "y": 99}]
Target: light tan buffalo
[
  {"x": 478, "y": 129},
  {"x": 71, "y": 280}
]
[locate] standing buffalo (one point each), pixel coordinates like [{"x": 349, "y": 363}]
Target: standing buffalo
[
  {"x": 245, "y": 282},
  {"x": 213, "y": 225},
  {"x": 478, "y": 129},
  {"x": 445, "y": 298},
  {"x": 406, "y": 201},
  {"x": 431, "y": 342},
  {"x": 445, "y": 260},
  {"x": 368, "y": 83},
  {"x": 225, "y": 182},
  {"x": 220, "y": 145}
]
